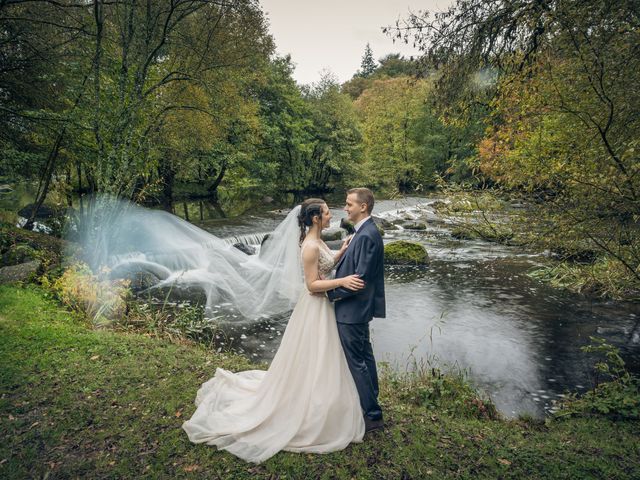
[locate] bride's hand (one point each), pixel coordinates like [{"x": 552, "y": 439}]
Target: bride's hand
[
  {"x": 353, "y": 282},
  {"x": 345, "y": 243}
]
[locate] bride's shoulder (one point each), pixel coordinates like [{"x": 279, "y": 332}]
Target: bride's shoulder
[{"x": 310, "y": 246}]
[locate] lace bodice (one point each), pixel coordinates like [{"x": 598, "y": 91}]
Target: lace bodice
[{"x": 325, "y": 261}]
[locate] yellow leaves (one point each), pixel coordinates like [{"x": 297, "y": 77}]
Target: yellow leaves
[
  {"x": 504, "y": 461},
  {"x": 99, "y": 300}
]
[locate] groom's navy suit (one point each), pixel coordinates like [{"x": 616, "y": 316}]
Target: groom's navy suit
[{"x": 354, "y": 310}]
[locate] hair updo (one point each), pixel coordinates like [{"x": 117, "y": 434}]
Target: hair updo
[{"x": 311, "y": 207}]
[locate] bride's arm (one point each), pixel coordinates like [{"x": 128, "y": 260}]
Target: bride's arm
[{"x": 310, "y": 256}]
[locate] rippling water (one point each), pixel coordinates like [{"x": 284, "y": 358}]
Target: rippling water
[{"x": 473, "y": 308}]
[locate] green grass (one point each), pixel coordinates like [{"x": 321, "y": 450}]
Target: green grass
[{"x": 81, "y": 403}]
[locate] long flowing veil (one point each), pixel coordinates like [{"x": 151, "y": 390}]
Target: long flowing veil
[{"x": 123, "y": 239}]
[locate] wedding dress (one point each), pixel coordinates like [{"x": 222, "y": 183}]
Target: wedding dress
[{"x": 305, "y": 402}]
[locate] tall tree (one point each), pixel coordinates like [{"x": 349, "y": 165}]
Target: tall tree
[{"x": 368, "y": 64}]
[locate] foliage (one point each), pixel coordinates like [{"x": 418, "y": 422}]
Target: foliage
[
  {"x": 183, "y": 321},
  {"x": 604, "y": 277},
  {"x": 618, "y": 397},
  {"x": 100, "y": 301},
  {"x": 559, "y": 82},
  {"x": 310, "y": 136},
  {"x": 117, "y": 76},
  {"x": 391, "y": 114},
  {"x": 431, "y": 389}
]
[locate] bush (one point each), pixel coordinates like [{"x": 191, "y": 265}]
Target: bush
[
  {"x": 619, "y": 397},
  {"x": 100, "y": 301},
  {"x": 606, "y": 277},
  {"x": 434, "y": 390}
]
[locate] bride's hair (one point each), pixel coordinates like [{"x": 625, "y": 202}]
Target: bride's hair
[{"x": 311, "y": 207}]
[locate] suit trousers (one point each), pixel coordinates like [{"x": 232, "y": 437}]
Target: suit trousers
[{"x": 357, "y": 348}]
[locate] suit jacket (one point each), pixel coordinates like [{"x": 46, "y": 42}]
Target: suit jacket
[{"x": 364, "y": 256}]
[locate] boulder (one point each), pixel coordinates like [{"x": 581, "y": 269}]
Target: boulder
[
  {"x": 17, "y": 254},
  {"x": 347, "y": 225},
  {"x": 19, "y": 273},
  {"x": 405, "y": 253},
  {"x": 334, "y": 244},
  {"x": 383, "y": 222},
  {"x": 415, "y": 226},
  {"x": 438, "y": 205},
  {"x": 331, "y": 234},
  {"x": 45, "y": 211},
  {"x": 244, "y": 248},
  {"x": 142, "y": 280}
]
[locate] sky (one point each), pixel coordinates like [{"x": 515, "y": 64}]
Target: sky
[{"x": 332, "y": 34}]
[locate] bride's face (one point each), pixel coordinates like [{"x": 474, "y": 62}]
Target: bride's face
[{"x": 325, "y": 218}]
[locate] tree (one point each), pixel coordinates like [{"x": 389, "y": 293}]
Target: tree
[
  {"x": 391, "y": 113},
  {"x": 368, "y": 64},
  {"x": 562, "y": 89}
]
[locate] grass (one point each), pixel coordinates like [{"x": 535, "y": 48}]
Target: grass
[{"x": 84, "y": 403}]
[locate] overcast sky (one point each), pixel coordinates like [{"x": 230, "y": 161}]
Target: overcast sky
[{"x": 332, "y": 34}]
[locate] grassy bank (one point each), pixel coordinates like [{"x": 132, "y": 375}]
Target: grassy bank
[{"x": 77, "y": 402}]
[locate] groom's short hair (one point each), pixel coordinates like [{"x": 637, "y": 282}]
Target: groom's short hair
[{"x": 364, "y": 196}]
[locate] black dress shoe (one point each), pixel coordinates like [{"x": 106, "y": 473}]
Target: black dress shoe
[{"x": 371, "y": 425}]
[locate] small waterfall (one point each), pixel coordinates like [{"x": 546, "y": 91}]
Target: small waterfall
[{"x": 253, "y": 239}]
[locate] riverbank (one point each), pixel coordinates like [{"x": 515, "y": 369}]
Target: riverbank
[
  {"x": 89, "y": 403},
  {"x": 599, "y": 264}
]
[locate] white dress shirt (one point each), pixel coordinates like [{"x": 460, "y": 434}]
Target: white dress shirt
[{"x": 358, "y": 225}]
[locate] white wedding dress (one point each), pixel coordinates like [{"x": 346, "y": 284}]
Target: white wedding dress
[{"x": 305, "y": 402}]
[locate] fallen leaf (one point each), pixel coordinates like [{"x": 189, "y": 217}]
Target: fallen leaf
[
  {"x": 178, "y": 413},
  {"x": 95, "y": 357},
  {"x": 192, "y": 468},
  {"x": 504, "y": 462}
]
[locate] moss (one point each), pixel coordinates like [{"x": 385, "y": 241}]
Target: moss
[
  {"x": 17, "y": 254},
  {"x": 8, "y": 218},
  {"x": 405, "y": 253},
  {"x": 483, "y": 231}
]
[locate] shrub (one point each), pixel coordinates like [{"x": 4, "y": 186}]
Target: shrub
[
  {"x": 100, "y": 301},
  {"x": 619, "y": 397}
]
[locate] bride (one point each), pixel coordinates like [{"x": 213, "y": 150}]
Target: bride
[{"x": 307, "y": 400}]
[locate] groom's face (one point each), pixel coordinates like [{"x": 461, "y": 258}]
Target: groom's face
[{"x": 355, "y": 209}]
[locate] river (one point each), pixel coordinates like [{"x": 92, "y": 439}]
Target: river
[{"x": 473, "y": 308}]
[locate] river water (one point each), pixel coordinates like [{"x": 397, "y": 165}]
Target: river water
[{"x": 473, "y": 308}]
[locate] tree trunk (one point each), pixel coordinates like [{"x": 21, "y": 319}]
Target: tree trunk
[
  {"x": 213, "y": 188},
  {"x": 167, "y": 175}
]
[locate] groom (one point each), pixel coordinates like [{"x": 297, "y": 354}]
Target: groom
[{"x": 355, "y": 309}]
